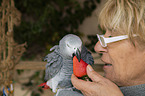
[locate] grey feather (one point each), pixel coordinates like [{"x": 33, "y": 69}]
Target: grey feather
[
  {"x": 86, "y": 56},
  {"x": 54, "y": 63}
]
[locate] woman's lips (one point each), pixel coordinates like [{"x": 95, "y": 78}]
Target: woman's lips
[{"x": 107, "y": 66}]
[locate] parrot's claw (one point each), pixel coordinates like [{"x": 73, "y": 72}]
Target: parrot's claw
[{"x": 44, "y": 86}]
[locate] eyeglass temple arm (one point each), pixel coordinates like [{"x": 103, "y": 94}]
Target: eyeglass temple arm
[{"x": 113, "y": 39}]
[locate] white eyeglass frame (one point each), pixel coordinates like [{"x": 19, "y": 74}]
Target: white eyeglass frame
[{"x": 104, "y": 41}]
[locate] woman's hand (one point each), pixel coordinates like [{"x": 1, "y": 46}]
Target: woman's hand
[{"x": 99, "y": 86}]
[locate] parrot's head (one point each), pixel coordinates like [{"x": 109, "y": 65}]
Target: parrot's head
[{"x": 70, "y": 45}]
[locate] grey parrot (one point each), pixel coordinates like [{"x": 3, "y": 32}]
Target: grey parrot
[{"x": 59, "y": 67}]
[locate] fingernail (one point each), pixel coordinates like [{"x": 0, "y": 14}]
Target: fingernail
[{"x": 90, "y": 68}]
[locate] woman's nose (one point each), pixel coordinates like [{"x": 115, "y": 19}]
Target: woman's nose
[{"x": 99, "y": 49}]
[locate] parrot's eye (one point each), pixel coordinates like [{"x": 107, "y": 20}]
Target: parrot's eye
[{"x": 67, "y": 45}]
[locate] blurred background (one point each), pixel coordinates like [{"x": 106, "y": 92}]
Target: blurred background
[{"x": 43, "y": 24}]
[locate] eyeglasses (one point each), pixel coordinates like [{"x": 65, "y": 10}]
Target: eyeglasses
[{"x": 104, "y": 41}]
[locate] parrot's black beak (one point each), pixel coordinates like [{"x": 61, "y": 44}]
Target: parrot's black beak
[{"x": 77, "y": 54}]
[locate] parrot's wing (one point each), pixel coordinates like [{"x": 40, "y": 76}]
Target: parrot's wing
[
  {"x": 52, "y": 55},
  {"x": 54, "y": 63},
  {"x": 86, "y": 56}
]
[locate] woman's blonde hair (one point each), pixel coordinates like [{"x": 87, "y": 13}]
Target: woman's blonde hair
[{"x": 124, "y": 16}]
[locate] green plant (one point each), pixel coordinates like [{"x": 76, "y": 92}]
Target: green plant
[{"x": 45, "y": 22}]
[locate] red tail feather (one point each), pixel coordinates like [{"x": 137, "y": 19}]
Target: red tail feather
[{"x": 44, "y": 86}]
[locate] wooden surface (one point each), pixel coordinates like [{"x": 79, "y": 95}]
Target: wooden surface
[
  {"x": 37, "y": 65},
  {"x": 40, "y": 65}
]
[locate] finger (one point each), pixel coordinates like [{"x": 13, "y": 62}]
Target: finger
[
  {"x": 94, "y": 76},
  {"x": 79, "y": 84}
]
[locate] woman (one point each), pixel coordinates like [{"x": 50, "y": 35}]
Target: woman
[{"x": 123, "y": 51}]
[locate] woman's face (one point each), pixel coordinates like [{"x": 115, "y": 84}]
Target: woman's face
[{"x": 124, "y": 63}]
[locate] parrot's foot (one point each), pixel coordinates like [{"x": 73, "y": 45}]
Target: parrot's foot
[
  {"x": 55, "y": 90},
  {"x": 44, "y": 86}
]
